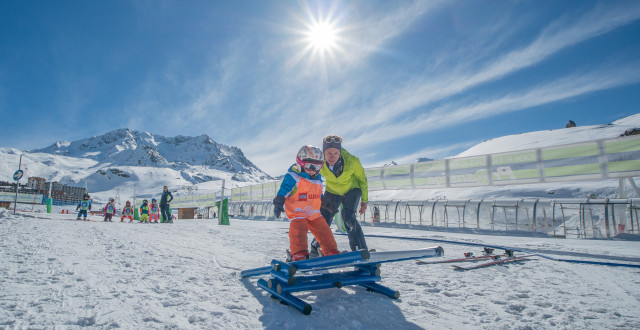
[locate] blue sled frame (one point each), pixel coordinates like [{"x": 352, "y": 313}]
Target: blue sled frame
[{"x": 288, "y": 277}]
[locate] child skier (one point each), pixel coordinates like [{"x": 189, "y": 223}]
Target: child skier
[
  {"x": 144, "y": 211},
  {"x": 127, "y": 212},
  {"x": 84, "y": 206},
  {"x": 109, "y": 210},
  {"x": 299, "y": 195},
  {"x": 154, "y": 210}
]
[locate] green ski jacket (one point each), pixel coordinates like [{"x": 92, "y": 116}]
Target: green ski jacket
[{"x": 352, "y": 177}]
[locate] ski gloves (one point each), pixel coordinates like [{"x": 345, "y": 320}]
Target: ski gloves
[{"x": 278, "y": 205}]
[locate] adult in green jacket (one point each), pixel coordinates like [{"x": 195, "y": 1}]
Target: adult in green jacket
[{"x": 346, "y": 185}]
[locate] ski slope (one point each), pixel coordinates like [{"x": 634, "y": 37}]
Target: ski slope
[{"x": 58, "y": 272}]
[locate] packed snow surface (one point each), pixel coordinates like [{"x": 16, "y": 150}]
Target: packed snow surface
[{"x": 59, "y": 272}]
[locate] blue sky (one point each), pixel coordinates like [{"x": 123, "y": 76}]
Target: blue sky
[{"x": 397, "y": 80}]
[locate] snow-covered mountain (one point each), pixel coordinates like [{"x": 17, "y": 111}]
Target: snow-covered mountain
[
  {"x": 124, "y": 159},
  {"x": 124, "y": 147}
]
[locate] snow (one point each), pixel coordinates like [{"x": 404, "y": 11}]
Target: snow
[
  {"x": 56, "y": 168},
  {"x": 548, "y": 138},
  {"x": 58, "y": 272}
]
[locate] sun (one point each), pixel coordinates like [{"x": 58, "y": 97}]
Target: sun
[{"x": 322, "y": 37}]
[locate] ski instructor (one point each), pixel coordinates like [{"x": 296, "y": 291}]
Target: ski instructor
[
  {"x": 164, "y": 205},
  {"x": 346, "y": 185}
]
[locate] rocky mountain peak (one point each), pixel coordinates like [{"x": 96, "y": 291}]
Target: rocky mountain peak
[{"x": 125, "y": 147}]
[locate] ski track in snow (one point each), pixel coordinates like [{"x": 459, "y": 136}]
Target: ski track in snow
[{"x": 58, "y": 272}]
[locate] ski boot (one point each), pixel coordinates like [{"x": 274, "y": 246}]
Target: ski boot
[
  {"x": 315, "y": 252},
  {"x": 302, "y": 255},
  {"x": 330, "y": 253}
]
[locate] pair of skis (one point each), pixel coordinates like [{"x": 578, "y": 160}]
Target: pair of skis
[
  {"x": 493, "y": 263},
  {"x": 507, "y": 257}
]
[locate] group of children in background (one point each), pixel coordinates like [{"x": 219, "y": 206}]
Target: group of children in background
[{"x": 149, "y": 213}]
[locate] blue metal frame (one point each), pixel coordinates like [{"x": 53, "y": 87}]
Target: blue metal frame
[
  {"x": 337, "y": 260},
  {"x": 287, "y": 278}
]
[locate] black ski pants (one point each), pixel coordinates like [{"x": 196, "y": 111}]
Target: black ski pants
[
  {"x": 164, "y": 213},
  {"x": 350, "y": 202}
]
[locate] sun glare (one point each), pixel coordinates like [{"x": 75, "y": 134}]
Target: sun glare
[{"x": 322, "y": 37}]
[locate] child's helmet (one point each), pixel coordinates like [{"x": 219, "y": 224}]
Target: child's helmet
[
  {"x": 86, "y": 196},
  {"x": 128, "y": 203},
  {"x": 112, "y": 199},
  {"x": 145, "y": 201},
  {"x": 153, "y": 200},
  {"x": 310, "y": 158}
]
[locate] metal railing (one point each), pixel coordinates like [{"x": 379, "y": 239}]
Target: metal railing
[
  {"x": 567, "y": 218},
  {"x": 608, "y": 159}
]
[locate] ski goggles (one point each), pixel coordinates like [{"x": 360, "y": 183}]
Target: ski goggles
[
  {"x": 333, "y": 139},
  {"x": 313, "y": 165}
]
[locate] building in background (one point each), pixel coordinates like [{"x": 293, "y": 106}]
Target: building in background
[
  {"x": 59, "y": 191},
  {"x": 37, "y": 183}
]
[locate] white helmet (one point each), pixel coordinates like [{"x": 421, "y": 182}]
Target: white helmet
[{"x": 310, "y": 158}]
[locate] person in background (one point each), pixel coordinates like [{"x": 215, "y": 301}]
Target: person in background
[
  {"x": 300, "y": 197},
  {"x": 127, "y": 212},
  {"x": 346, "y": 185},
  {"x": 144, "y": 211},
  {"x": 376, "y": 214},
  {"x": 84, "y": 206},
  {"x": 109, "y": 210},
  {"x": 165, "y": 199},
  {"x": 154, "y": 211}
]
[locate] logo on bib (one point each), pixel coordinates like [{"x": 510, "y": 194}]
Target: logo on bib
[{"x": 307, "y": 210}]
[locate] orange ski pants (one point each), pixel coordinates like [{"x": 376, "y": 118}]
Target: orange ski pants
[{"x": 298, "y": 229}]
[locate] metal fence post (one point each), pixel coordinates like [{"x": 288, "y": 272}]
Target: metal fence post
[
  {"x": 606, "y": 217},
  {"x": 493, "y": 214},
  {"x": 564, "y": 221},
  {"x": 553, "y": 217},
  {"x": 517, "y": 209},
  {"x": 395, "y": 212},
  {"x": 613, "y": 219},
  {"x": 478, "y": 214},
  {"x": 433, "y": 210}
]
